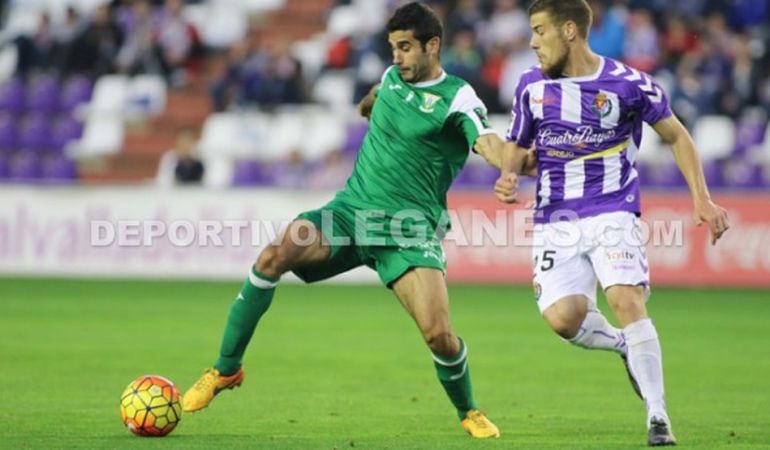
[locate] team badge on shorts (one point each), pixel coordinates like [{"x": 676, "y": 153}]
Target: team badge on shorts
[
  {"x": 538, "y": 290},
  {"x": 602, "y": 105}
]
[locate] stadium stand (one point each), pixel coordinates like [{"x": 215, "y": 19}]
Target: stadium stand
[{"x": 272, "y": 84}]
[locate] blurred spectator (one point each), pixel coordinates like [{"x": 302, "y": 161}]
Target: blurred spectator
[
  {"x": 744, "y": 78},
  {"x": 519, "y": 60},
  {"x": 94, "y": 50},
  {"x": 138, "y": 54},
  {"x": 462, "y": 59},
  {"x": 258, "y": 74},
  {"x": 508, "y": 24},
  {"x": 641, "y": 49},
  {"x": 607, "y": 31},
  {"x": 72, "y": 26},
  {"x": 678, "y": 39},
  {"x": 37, "y": 52},
  {"x": 176, "y": 39},
  {"x": 281, "y": 80},
  {"x": 747, "y": 13},
  {"x": 179, "y": 165},
  {"x": 466, "y": 16}
]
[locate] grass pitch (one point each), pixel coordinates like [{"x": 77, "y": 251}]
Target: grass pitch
[{"x": 344, "y": 367}]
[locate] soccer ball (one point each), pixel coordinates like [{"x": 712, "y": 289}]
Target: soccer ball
[{"x": 150, "y": 406}]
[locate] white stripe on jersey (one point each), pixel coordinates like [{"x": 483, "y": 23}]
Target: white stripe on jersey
[
  {"x": 611, "y": 121},
  {"x": 545, "y": 189},
  {"x": 574, "y": 179},
  {"x": 536, "y": 93},
  {"x": 571, "y": 105},
  {"x": 612, "y": 172},
  {"x": 631, "y": 153}
]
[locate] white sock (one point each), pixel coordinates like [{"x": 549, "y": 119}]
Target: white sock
[
  {"x": 646, "y": 362},
  {"x": 596, "y": 333}
]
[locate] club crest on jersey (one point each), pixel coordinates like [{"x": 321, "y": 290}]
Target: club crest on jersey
[
  {"x": 429, "y": 103},
  {"x": 602, "y": 105}
]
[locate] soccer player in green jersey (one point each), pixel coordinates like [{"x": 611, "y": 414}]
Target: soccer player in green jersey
[{"x": 390, "y": 216}]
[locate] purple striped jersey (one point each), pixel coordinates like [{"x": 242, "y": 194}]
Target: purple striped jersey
[{"x": 587, "y": 132}]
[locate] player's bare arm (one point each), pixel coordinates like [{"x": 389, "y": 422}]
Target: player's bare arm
[
  {"x": 514, "y": 162},
  {"x": 367, "y": 103},
  {"x": 676, "y": 135},
  {"x": 490, "y": 147}
]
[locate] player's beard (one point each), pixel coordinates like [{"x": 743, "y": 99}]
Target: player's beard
[
  {"x": 556, "y": 70},
  {"x": 419, "y": 71}
]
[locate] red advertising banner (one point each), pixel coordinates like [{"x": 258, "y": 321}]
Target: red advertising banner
[{"x": 490, "y": 242}]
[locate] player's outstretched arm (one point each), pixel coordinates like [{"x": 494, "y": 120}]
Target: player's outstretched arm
[
  {"x": 367, "y": 103},
  {"x": 490, "y": 147},
  {"x": 514, "y": 160},
  {"x": 676, "y": 135}
]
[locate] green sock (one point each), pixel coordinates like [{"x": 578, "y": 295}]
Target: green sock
[
  {"x": 456, "y": 379},
  {"x": 252, "y": 302}
]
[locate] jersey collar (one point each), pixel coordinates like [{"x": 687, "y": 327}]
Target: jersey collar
[{"x": 429, "y": 83}]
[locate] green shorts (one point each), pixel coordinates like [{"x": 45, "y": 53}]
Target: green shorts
[{"x": 352, "y": 246}]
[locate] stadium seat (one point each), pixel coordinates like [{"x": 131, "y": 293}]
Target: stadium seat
[
  {"x": 60, "y": 169},
  {"x": 335, "y": 90},
  {"x": 8, "y": 133},
  {"x": 231, "y": 135},
  {"x": 5, "y": 168},
  {"x": 76, "y": 91},
  {"x": 109, "y": 97},
  {"x": 255, "y": 6},
  {"x": 323, "y": 134},
  {"x": 219, "y": 25},
  {"x": 750, "y": 131},
  {"x": 103, "y": 135},
  {"x": 311, "y": 54},
  {"x": 742, "y": 174},
  {"x": 8, "y": 59},
  {"x": 12, "y": 96},
  {"x": 286, "y": 133},
  {"x": 344, "y": 20},
  {"x": 250, "y": 173},
  {"x": 35, "y": 133},
  {"x": 760, "y": 153},
  {"x": 42, "y": 94},
  {"x": 218, "y": 173},
  {"x": 146, "y": 96},
  {"x": 67, "y": 129},
  {"x": 661, "y": 174},
  {"x": 714, "y": 137},
  {"x": 26, "y": 167},
  {"x": 355, "y": 136}
]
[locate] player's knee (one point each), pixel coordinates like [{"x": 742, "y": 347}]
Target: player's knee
[
  {"x": 442, "y": 342},
  {"x": 566, "y": 327},
  {"x": 629, "y": 308},
  {"x": 274, "y": 261}
]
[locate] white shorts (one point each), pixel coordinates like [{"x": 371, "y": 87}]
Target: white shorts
[{"x": 569, "y": 258}]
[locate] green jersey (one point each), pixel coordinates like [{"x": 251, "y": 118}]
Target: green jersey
[{"x": 418, "y": 140}]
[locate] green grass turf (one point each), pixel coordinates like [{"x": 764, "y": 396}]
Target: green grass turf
[{"x": 342, "y": 367}]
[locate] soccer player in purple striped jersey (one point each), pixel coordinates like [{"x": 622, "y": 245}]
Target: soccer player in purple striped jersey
[{"x": 583, "y": 115}]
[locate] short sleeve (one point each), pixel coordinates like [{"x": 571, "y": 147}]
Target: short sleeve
[
  {"x": 651, "y": 100},
  {"x": 469, "y": 115},
  {"x": 522, "y": 128}
]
